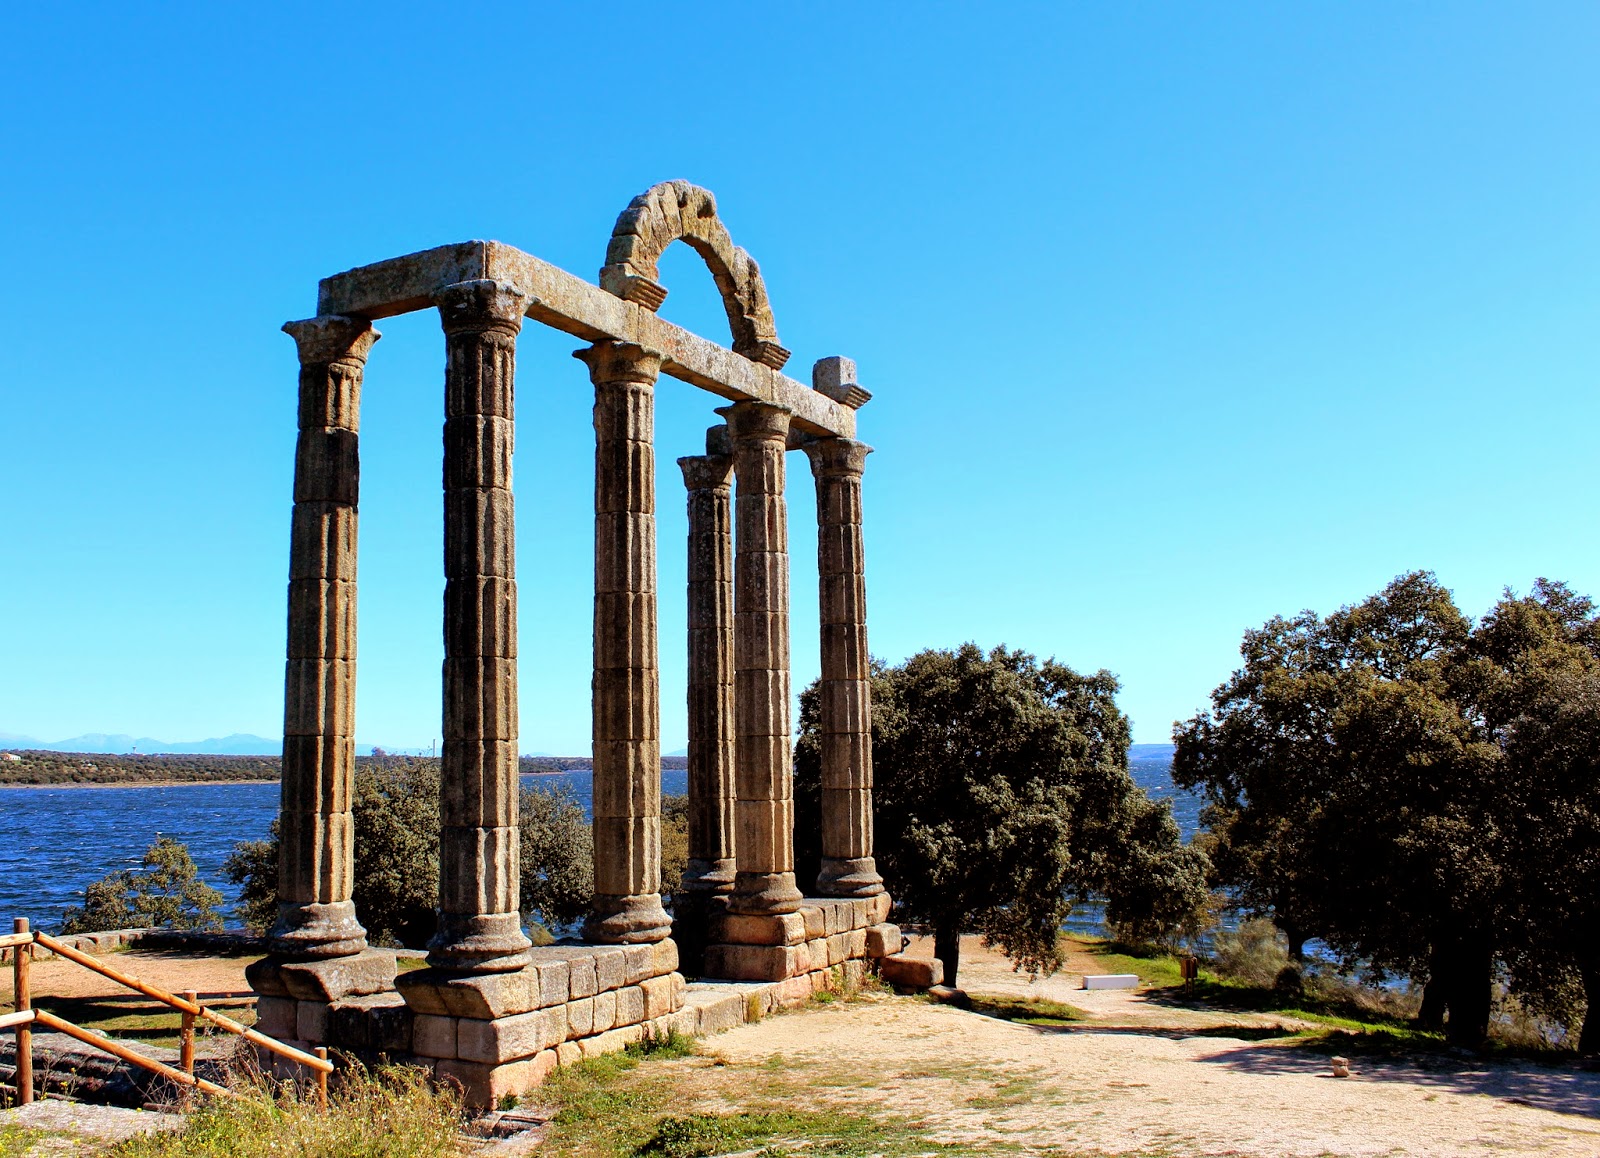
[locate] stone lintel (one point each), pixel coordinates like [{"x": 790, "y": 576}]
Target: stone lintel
[
  {"x": 330, "y": 979},
  {"x": 568, "y": 303}
]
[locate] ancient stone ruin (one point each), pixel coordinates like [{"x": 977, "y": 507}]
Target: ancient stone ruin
[{"x": 489, "y": 1010}]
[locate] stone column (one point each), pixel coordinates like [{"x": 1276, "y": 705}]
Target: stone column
[
  {"x": 848, "y": 869},
  {"x": 762, "y": 747},
  {"x": 316, "y": 917},
  {"x": 480, "y": 927},
  {"x": 627, "y": 695},
  {"x": 709, "y": 479}
]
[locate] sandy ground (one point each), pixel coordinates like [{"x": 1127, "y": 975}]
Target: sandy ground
[
  {"x": 174, "y": 972},
  {"x": 1142, "y": 1077}
]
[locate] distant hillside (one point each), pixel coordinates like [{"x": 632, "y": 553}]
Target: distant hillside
[
  {"x": 38, "y": 766},
  {"x": 97, "y": 743}
]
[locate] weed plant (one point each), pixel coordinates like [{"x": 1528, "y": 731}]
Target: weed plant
[{"x": 391, "y": 1113}]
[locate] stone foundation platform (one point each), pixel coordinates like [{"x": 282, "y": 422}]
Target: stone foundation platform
[
  {"x": 824, "y": 933},
  {"x": 494, "y": 1033}
]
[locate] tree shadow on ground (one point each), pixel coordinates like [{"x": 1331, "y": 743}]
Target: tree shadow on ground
[{"x": 1561, "y": 1088}]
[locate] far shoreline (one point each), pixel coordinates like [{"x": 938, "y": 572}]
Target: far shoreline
[{"x": 201, "y": 783}]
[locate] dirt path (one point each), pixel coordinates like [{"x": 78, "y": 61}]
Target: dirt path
[{"x": 979, "y": 1080}]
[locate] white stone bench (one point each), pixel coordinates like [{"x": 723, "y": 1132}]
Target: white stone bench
[{"x": 1111, "y": 981}]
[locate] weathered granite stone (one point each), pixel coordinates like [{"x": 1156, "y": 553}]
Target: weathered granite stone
[
  {"x": 762, "y": 755},
  {"x": 379, "y": 1023},
  {"x": 315, "y": 916},
  {"x": 484, "y": 1085},
  {"x": 474, "y": 995},
  {"x": 480, "y": 928},
  {"x": 910, "y": 972},
  {"x": 882, "y": 940},
  {"x": 433, "y": 1036},
  {"x": 709, "y": 480},
  {"x": 335, "y": 978}
]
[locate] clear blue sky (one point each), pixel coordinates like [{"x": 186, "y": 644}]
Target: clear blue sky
[{"x": 1176, "y": 317}]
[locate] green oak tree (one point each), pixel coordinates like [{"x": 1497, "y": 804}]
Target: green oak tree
[{"x": 1002, "y": 797}]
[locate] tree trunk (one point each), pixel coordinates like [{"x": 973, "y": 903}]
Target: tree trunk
[
  {"x": 1589, "y": 1038},
  {"x": 1470, "y": 995},
  {"x": 1297, "y": 940},
  {"x": 947, "y": 947},
  {"x": 1434, "y": 993}
]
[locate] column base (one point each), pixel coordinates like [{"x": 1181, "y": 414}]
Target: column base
[
  {"x": 849, "y": 877},
  {"x": 307, "y": 930},
  {"x": 627, "y": 920},
  {"x": 710, "y": 876},
  {"x": 757, "y": 893},
  {"x": 481, "y": 943}
]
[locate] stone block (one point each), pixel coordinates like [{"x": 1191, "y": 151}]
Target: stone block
[
  {"x": 881, "y": 904},
  {"x": 680, "y": 989},
  {"x": 554, "y": 982},
  {"x": 605, "y": 1011},
  {"x": 612, "y": 1041},
  {"x": 569, "y": 1053},
  {"x": 664, "y": 957},
  {"x": 630, "y": 1005},
  {"x": 795, "y": 990},
  {"x": 581, "y": 979},
  {"x": 862, "y": 913},
  {"x": 855, "y": 943},
  {"x": 485, "y": 996},
  {"x": 752, "y": 962},
  {"x": 311, "y": 1021},
  {"x": 640, "y": 962},
  {"x": 262, "y": 976},
  {"x": 854, "y": 973},
  {"x": 380, "y": 1022},
  {"x": 835, "y": 914},
  {"x": 911, "y": 972},
  {"x": 657, "y": 997},
  {"x": 336, "y": 978},
  {"x": 277, "y": 1017},
  {"x": 763, "y": 929},
  {"x": 509, "y": 1038},
  {"x": 484, "y": 1085},
  {"x": 883, "y": 940},
  {"x": 433, "y": 1036},
  {"x": 611, "y": 969},
  {"x": 715, "y": 1012},
  {"x": 816, "y": 921},
  {"x": 580, "y": 1017}
]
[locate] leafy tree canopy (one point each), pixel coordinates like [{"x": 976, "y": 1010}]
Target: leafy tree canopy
[
  {"x": 165, "y": 891},
  {"x": 1002, "y": 797}
]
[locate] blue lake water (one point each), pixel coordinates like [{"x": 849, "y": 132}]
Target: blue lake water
[{"x": 55, "y": 841}]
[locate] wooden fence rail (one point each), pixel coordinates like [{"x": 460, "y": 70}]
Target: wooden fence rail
[{"x": 21, "y": 942}]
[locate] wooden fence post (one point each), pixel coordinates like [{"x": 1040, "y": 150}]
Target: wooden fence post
[
  {"x": 322, "y": 1080},
  {"x": 21, "y": 957},
  {"x": 186, "y": 1044}
]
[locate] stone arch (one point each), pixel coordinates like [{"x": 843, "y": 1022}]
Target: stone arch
[{"x": 678, "y": 211}]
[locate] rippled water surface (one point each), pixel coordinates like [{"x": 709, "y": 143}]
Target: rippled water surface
[{"x": 54, "y": 841}]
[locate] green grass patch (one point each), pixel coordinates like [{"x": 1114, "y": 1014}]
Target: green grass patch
[
  {"x": 1027, "y": 1010},
  {"x": 133, "y": 1016},
  {"x": 1155, "y": 968},
  {"x": 779, "y": 1132},
  {"x": 393, "y": 1113},
  {"x": 16, "y": 1141}
]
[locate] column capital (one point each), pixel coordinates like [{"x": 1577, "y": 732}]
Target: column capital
[
  {"x": 707, "y": 472},
  {"x": 751, "y": 421},
  {"x": 612, "y": 362},
  {"x": 836, "y": 457},
  {"x": 482, "y": 306},
  {"x": 332, "y": 338}
]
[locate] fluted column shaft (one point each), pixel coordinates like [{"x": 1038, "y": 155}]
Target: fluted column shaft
[
  {"x": 480, "y": 927},
  {"x": 627, "y": 696},
  {"x": 763, "y": 775},
  {"x": 316, "y": 917},
  {"x": 848, "y": 868},
  {"x": 709, "y": 481}
]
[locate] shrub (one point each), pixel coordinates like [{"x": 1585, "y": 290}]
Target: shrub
[{"x": 165, "y": 891}]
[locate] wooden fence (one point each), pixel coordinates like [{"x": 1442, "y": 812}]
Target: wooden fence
[{"x": 25, "y": 1017}]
